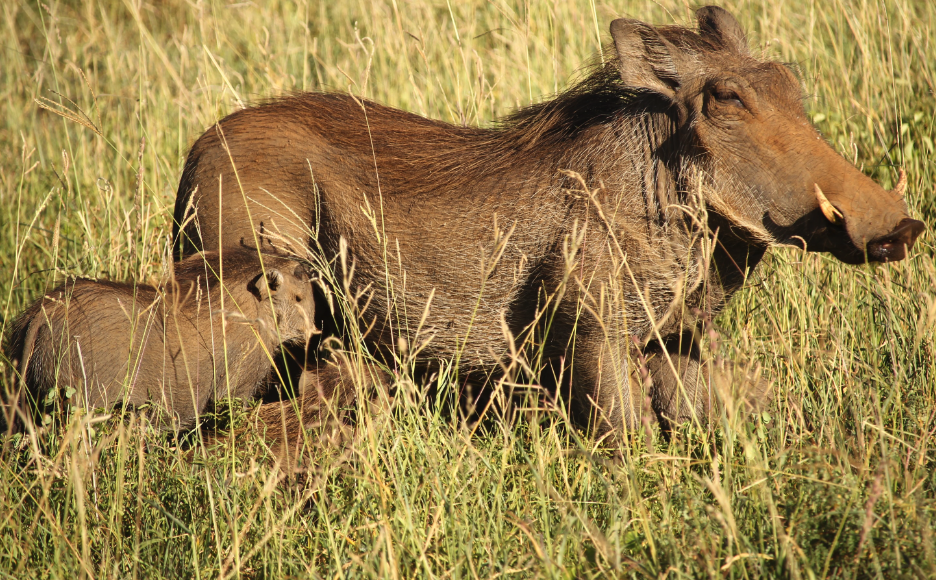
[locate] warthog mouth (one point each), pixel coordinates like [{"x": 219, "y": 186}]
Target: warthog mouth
[
  {"x": 894, "y": 246},
  {"x": 834, "y": 238}
]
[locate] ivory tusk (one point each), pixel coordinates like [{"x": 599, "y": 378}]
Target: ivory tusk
[
  {"x": 901, "y": 188},
  {"x": 828, "y": 210}
]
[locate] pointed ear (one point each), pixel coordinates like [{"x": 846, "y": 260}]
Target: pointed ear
[
  {"x": 719, "y": 26},
  {"x": 645, "y": 59},
  {"x": 268, "y": 285}
]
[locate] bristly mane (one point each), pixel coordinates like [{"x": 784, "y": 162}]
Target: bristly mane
[{"x": 596, "y": 99}]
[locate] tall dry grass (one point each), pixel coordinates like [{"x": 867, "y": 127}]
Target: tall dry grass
[{"x": 100, "y": 102}]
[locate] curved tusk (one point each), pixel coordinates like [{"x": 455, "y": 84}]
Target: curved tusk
[
  {"x": 828, "y": 210},
  {"x": 901, "y": 188}
]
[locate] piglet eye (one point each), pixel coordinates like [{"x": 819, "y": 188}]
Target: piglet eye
[{"x": 298, "y": 298}]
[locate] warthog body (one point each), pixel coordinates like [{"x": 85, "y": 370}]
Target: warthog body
[
  {"x": 180, "y": 346},
  {"x": 596, "y": 225}
]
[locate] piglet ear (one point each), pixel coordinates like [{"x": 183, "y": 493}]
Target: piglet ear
[
  {"x": 267, "y": 285},
  {"x": 645, "y": 59},
  {"x": 719, "y": 26}
]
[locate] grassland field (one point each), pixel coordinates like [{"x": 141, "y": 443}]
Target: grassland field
[{"x": 99, "y": 101}]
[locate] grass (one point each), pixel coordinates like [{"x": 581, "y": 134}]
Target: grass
[{"x": 101, "y": 100}]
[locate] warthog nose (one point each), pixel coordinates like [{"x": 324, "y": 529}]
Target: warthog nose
[{"x": 895, "y": 245}]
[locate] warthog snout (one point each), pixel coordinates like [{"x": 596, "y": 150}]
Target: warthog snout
[
  {"x": 895, "y": 245},
  {"x": 861, "y": 221}
]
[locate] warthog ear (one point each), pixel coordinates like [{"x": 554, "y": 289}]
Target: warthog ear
[
  {"x": 268, "y": 285},
  {"x": 644, "y": 57},
  {"x": 718, "y": 25}
]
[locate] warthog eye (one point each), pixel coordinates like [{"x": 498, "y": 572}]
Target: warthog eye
[
  {"x": 298, "y": 298},
  {"x": 727, "y": 96}
]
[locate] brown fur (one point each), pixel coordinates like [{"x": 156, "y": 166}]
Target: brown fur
[
  {"x": 613, "y": 212},
  {"x": 180, "y": 346},
  {"x": 322, "y": 413}
]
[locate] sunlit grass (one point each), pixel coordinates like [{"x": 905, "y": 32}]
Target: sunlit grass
[{"x": 839, "y": 483}]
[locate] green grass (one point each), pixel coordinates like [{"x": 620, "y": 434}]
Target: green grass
[{"x": 841, "y": 483}]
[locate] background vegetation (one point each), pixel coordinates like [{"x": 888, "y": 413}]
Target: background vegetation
[{"x": 100, "y": 100}]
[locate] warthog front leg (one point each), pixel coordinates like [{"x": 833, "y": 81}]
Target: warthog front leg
[
  {"x": 686, "y": 388},
  {"x": 608, "y": 397},
  {"x": 678, "y": 396}
]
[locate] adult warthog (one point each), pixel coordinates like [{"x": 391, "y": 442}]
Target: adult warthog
[{"x": 595, "y": 227}]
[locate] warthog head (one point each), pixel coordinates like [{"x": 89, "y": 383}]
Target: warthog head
[
  {"x": 292, "y": 301},
  {"x": 771, "y": 172}
]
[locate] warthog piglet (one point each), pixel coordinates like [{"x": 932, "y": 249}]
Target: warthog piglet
[{"x": 209, "y": 332}]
